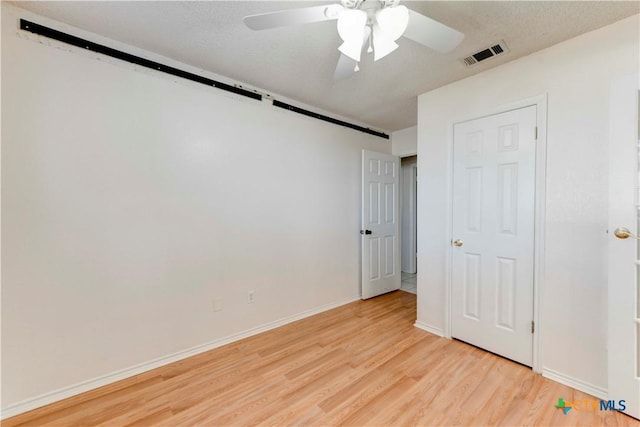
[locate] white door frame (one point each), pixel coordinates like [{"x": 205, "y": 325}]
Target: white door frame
[
  {"x": 410, "y": 206},
  {"x": 540, "y": 186},
  {"x": 414, "y": 218}
]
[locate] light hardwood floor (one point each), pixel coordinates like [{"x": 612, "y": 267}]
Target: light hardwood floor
[{"x": 360, "y": 364}]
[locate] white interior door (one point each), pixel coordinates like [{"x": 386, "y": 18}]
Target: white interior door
[
  {"x": 380, "y": 223},
  {"x": 624, "y": 257},
  {"x": 493, "y": 233}
]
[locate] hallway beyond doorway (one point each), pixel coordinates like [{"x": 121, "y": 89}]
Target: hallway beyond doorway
[{"x": 409, "y": 282}]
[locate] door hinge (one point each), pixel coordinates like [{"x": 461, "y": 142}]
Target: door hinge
[
  {"x": 533, "y": 326},
  {"x": 536, "y": 133}
]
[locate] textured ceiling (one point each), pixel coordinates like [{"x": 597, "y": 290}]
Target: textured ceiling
[{"x": 298, "y": 61}]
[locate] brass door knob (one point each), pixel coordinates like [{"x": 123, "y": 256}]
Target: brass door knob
[
  {"x": 624, "y": 233},
  {"x": 457, "y": 242}
]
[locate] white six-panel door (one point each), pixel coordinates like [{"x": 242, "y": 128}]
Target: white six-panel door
[
  {"x": 380, "y": 223},
  {"x": 493, "y": 233}
]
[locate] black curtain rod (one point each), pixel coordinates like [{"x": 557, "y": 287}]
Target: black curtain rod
[
  {"x": 118, "y": 54},
  {"x": 308, "y": 113}
]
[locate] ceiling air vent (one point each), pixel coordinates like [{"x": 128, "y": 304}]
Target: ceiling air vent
[{"x": 484, "y": 54}]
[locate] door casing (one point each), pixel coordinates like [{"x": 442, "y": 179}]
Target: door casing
[
  {"x": 540, "y": 179},
  {"x": 408, "y": 211}
]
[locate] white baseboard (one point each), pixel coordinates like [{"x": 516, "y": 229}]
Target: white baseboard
[
  {"x": 429, "y": 328},
  {"x": 73, "y": 390},
  {"x": 596, "y": 391}
]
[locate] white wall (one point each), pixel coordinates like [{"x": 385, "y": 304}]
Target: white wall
[
  {"x": 576, "y": 75},
  {"x": 132, "y": 199},
  {"x": 404, "y": 142}
]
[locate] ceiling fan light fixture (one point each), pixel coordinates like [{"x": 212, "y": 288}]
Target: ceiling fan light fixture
[
  {"x": 351, "y": 28},
  {"x": 352, "y": 49},
  {"x": 393, "y": 21},
  {"x": 382, "y": 44}
]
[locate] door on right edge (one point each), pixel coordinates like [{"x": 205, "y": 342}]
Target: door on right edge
[
  {"x": 624, "y": 248},
  {"x": 493, "y": 233}
]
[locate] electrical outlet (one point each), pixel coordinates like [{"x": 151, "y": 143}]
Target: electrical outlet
[
  {"x": 217, "y": 304},
  {"x": 251, "y": 297}
]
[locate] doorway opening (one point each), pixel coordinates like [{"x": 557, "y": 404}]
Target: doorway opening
[{"x": 408, "y": 229}]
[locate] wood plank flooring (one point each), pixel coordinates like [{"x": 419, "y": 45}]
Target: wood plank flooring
[{"x": 360, "y": 364}]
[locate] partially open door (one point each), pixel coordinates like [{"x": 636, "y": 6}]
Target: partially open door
[{"x": 380, "y": 223}]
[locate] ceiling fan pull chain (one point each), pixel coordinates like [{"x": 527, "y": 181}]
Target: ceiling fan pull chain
[
  {"x": 356, "y": 69},
  {"x": 370, "y": 49}
]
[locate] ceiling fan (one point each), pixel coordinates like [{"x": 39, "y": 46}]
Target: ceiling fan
[{"x": 375, "y": 24}]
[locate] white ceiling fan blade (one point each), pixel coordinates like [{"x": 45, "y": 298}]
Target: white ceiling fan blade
[
  {"x": 283, "y": 18},
  {"x": 345, "y": 68},
  {"x": 431, "y": 33}
]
